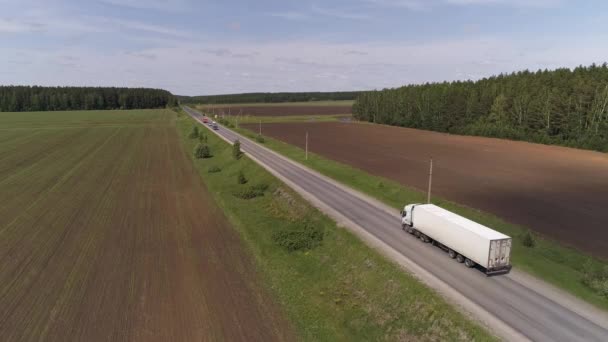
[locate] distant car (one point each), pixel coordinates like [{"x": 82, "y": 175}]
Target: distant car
[
  {"x": 205, "y": 119},
  {"x": 215, "y": 126}
]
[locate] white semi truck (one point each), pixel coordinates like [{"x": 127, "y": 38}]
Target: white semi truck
[{"x": 464, "y": 240}]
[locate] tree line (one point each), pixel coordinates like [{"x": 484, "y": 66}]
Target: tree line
[
  {"x": 271, "y": 97},
  {"x": 564, "y": 106},
  {"x": 35, "y": 98}
]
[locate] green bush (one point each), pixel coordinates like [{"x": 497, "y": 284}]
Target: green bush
[
  {"x": 214, "y": 169},
  {"x": 202, "y": 138},
  {"x": 260, "y": 139},
  {"x": 240, "y": 178},
  {"x": 225, "y": 122},
  {"x": 596, "y": 278},
  {"x": 202, "y": 151},
  {"x": 529, "y": 240},
  {"x": 249, "y": 192},
  {"x": 260, "y": 187},
  {"x": 252, "y": 191},
  {"x": 195, "y": 133},
  {"x": 236, "y": 150},
  {"x": 304, "y": 236}
]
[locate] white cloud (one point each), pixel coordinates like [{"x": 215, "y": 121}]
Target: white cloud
[
  {"x": 315, "y": 11},
  {"x": 15, "y": 26},
  {"x": 290, "y": 15},
  {"x": 122, "y": 24},
  {"x": 512, "y": 3},
  {"x": 217, "y": 66},
  {"x": 429, "y": 4},
  {"x": 408, "y": 4},
  {"x": 341, "y": 14},
  {"x": 159, "y": 5}
]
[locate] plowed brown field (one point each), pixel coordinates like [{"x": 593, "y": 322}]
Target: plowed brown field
[
  {"x": 559, "y": 192},
  {"x": 275, "y": 110},
  {"x": 107, "y": 234}
]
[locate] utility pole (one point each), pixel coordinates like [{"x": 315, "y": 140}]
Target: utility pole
[
  {"x": 428, "y": 198},
  {"x": 306, "y": 145}
]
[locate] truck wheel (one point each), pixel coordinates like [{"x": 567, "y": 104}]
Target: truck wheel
[
  {"x": 469, "y": 263},
  {"x": 460, "y": 258},
  {"x": 416, "y": 233},
  {"x": 452, "y": 254}
]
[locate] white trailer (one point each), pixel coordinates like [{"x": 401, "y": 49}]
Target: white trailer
[{"x": 464, "y": 240}]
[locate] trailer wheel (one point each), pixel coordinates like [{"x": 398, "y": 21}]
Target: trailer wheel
[
  {"x": 469, "y": 263},
  {"x": 416, "y": 233},
  {"x": 460, "y": 258},
  {"x": 451, "y": 253}
]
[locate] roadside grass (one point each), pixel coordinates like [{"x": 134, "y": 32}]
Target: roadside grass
[
  {"x": 279, "y": 104},
  {"x": 549, "y": 260},
  {"x": 339, "y": 289}
]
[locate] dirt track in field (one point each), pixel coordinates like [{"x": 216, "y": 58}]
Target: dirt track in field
[
  {"x": 292, "y": 110},
  {"x": 559, "y": 192},
  {"x": 107, "y": 234}
]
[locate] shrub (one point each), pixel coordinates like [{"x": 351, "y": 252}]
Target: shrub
[
  {"x": 260, "y": 139},
  {"x": 202, "y": 138},
  {"x": 202, "y": 151},
  {"x": 528, "y": 239},
  {"x": 236, "y": 150},
  {"x": 596, "y": 278},
  {"x": 214, "y": 169},
  {"x": 195, "y": 133},
  {"x": 252, "y": 191},
  {"x": 225, "y": 122},
  {"x": 249, "y": 192},
  {"x": 240, "y": 178},
  {"x": 304, "y": 236},
  {"x": 260, "y": 187}
]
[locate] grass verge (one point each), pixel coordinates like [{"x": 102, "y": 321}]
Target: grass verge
[
  {"x": 332, "y": 286},
  {"x": 564, "y": 267}
]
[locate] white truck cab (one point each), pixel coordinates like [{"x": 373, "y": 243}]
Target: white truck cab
[{"x": 406, "y": 216}]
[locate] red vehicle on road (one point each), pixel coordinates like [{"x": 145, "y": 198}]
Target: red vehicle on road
[{"x": 205, "y": 119}]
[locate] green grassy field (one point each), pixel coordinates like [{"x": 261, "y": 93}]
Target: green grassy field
[
  {"x": 282, "y": 104},
  {"x": 558, "y": 265},
  {"x": 341, "y": 290}
]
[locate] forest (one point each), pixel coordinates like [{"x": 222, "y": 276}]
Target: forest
[
  {"x": 271, "y": 97},
  {"x": 566, "y": 107},
  {"x": 36, "y": 98}
]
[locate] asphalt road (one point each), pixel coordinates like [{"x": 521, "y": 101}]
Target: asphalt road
[{"x": 522, "y": 307}]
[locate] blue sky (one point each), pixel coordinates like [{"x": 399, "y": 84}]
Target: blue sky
[{"x": 208, "y": 47}]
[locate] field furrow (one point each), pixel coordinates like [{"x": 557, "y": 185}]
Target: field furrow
[{"x": 106, "y": 233}]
